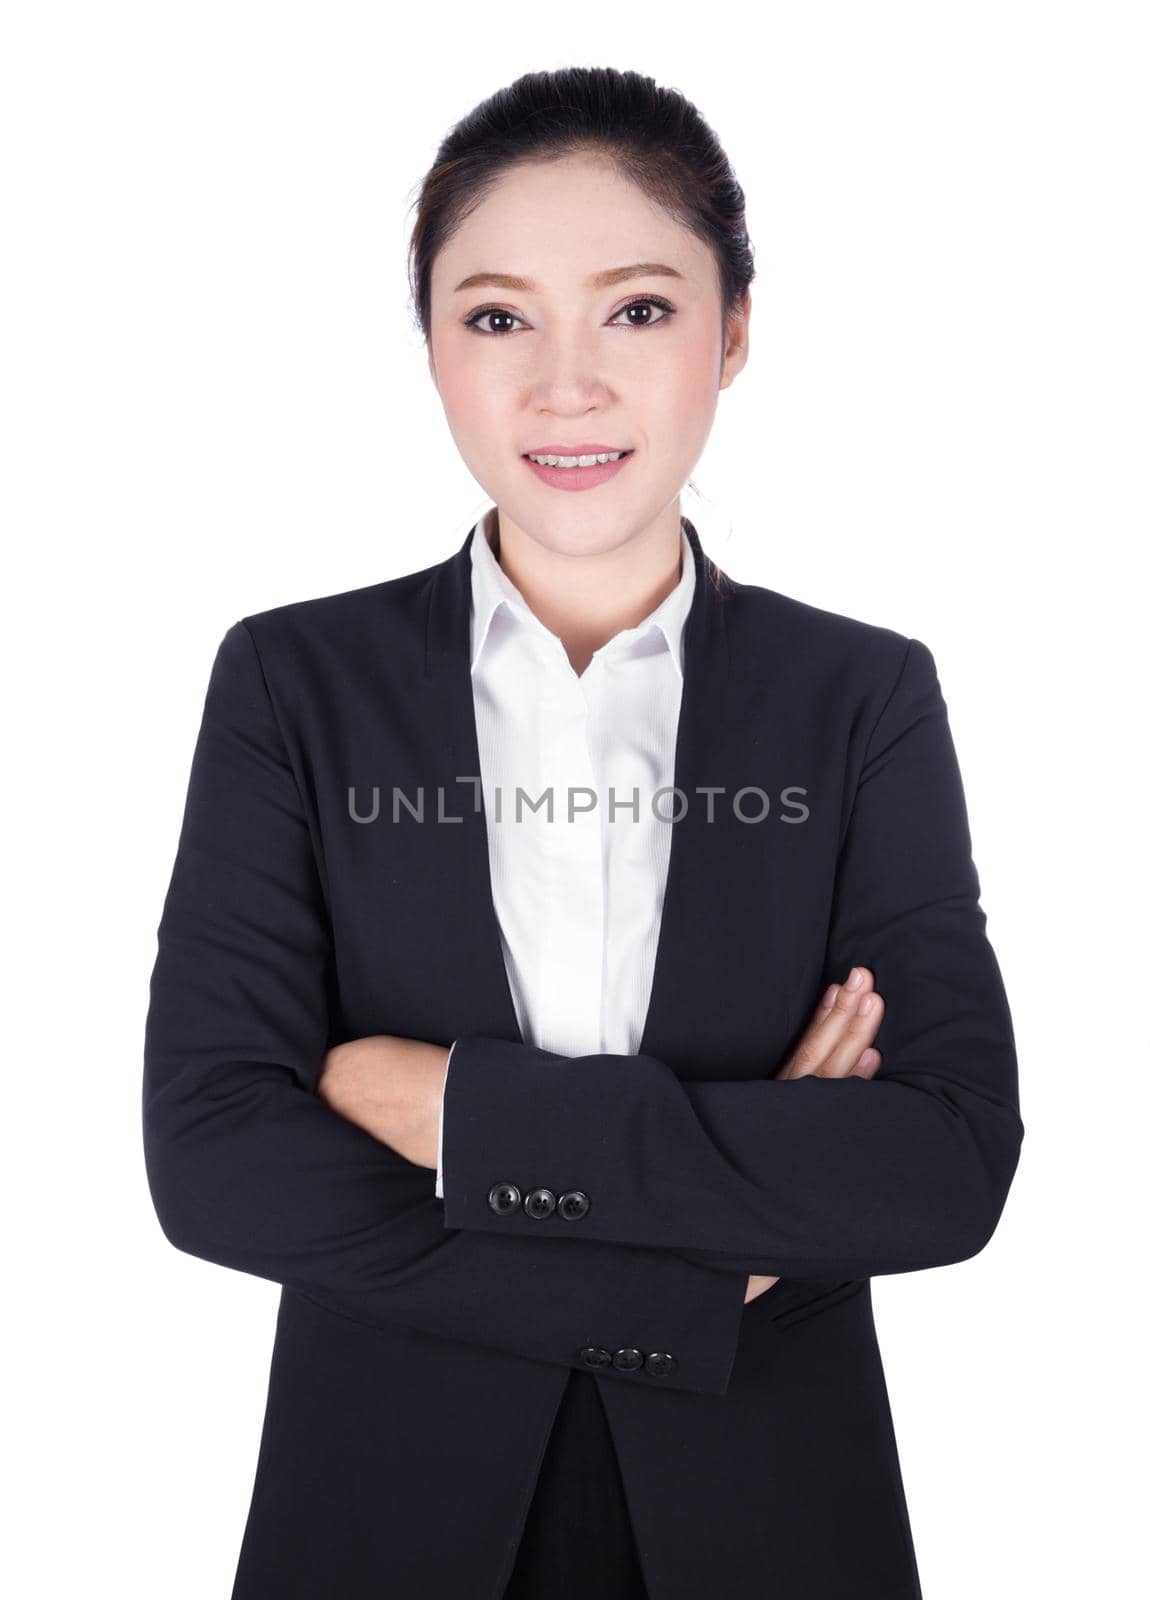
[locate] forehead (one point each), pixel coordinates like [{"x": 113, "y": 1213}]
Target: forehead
[{"x": 561, "y": 223}]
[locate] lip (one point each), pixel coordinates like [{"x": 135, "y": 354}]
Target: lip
[
  {"x": 573, "y": 449},
  {"x": 576, "y": 478}
]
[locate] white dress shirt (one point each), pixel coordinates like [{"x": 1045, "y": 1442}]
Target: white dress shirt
[{"x": 578, "y": 901}]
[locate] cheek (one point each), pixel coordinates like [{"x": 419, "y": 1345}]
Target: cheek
[
  {"x": 467, "y": 401},
  {"x": 686, "y": 390},
  {"x": 462, "y": 373},
  {"x": 696, "y": 371}
]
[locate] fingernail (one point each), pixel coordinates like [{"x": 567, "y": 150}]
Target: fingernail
[
  {"x": 865, "y": 1004},
  {"x": 855, "y": 979},
  {"x": 829, "y": 997}
]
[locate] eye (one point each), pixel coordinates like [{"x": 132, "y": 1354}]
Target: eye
[
  {"x": 662, "y": 305},
  {"x": 648, "y": 300},
  {"x": 492, "y": 311}
]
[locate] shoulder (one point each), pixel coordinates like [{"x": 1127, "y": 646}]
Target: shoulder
[
  {"x": 781, "y": 634},
  {"x": 371, "y": 605},
  {"x": 309, "y": 650},
  {"x": 378, "y": 626}
]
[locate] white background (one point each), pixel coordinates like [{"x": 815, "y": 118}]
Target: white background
[{"x": 214, "y": 401}]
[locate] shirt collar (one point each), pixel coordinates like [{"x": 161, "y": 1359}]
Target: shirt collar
[{"x": 492, "y": 588}]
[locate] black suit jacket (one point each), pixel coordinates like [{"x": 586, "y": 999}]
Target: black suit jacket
[{"x": 602, "y": 1213}]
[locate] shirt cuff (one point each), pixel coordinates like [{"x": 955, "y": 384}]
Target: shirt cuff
[{"x": 439, "y": 1155}]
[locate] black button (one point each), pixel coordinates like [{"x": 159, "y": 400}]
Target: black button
[
  {"x": 539, "y": 1203},
  {"x": 629, "y": 1360},
  {"x": 593, "y": 1355},
  {"x": 661, "y": 1363},
  {"x": 503, "y": 1198},
  {"x": 573, "y": 1205}
]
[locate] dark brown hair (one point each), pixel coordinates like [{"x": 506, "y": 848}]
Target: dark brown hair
[{"x": 654, "y": 136}]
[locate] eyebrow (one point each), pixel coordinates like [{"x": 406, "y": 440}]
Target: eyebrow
[{"x": 599, "y": 280}]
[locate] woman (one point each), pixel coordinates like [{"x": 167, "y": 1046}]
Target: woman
[{"x": 575, "y": 1138}]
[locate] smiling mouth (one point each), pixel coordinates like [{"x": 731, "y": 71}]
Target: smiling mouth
[{"x": 574, "y": 461}]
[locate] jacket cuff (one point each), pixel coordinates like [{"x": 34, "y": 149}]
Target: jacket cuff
[{"x": 675, "y": 1322}]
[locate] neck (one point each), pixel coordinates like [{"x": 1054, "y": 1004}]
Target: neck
[{"x": 586, "y": 599}]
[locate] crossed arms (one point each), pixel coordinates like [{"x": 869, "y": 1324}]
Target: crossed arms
[{"x": 697, "y": 1184}]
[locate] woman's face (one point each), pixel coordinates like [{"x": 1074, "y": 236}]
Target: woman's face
[{"x": 555, "y": 358}]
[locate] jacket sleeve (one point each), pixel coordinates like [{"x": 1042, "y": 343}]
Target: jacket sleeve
[
  {"x": 812, "y": 1177},
  {"x": 248, "y": 1167}
]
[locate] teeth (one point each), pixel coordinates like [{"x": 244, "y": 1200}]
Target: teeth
[{"x": 578, "y": 461}]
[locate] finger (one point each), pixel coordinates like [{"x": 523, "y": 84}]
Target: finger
[
  {"x": 857, "y": 1035},
  {"x": 826, "y": 1026},
  {"x": 804, "y": 1051},
  {"x": 869, "y": 1063},
  {"x": 829, "y": 1024}
]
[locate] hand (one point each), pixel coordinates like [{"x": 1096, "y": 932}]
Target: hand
[
  {"x": 837, "y": 1043},
  {"x": 392, "y": 1088}
]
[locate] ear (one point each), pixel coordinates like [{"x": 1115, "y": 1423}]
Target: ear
[{"x": 738, "y": 343}]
